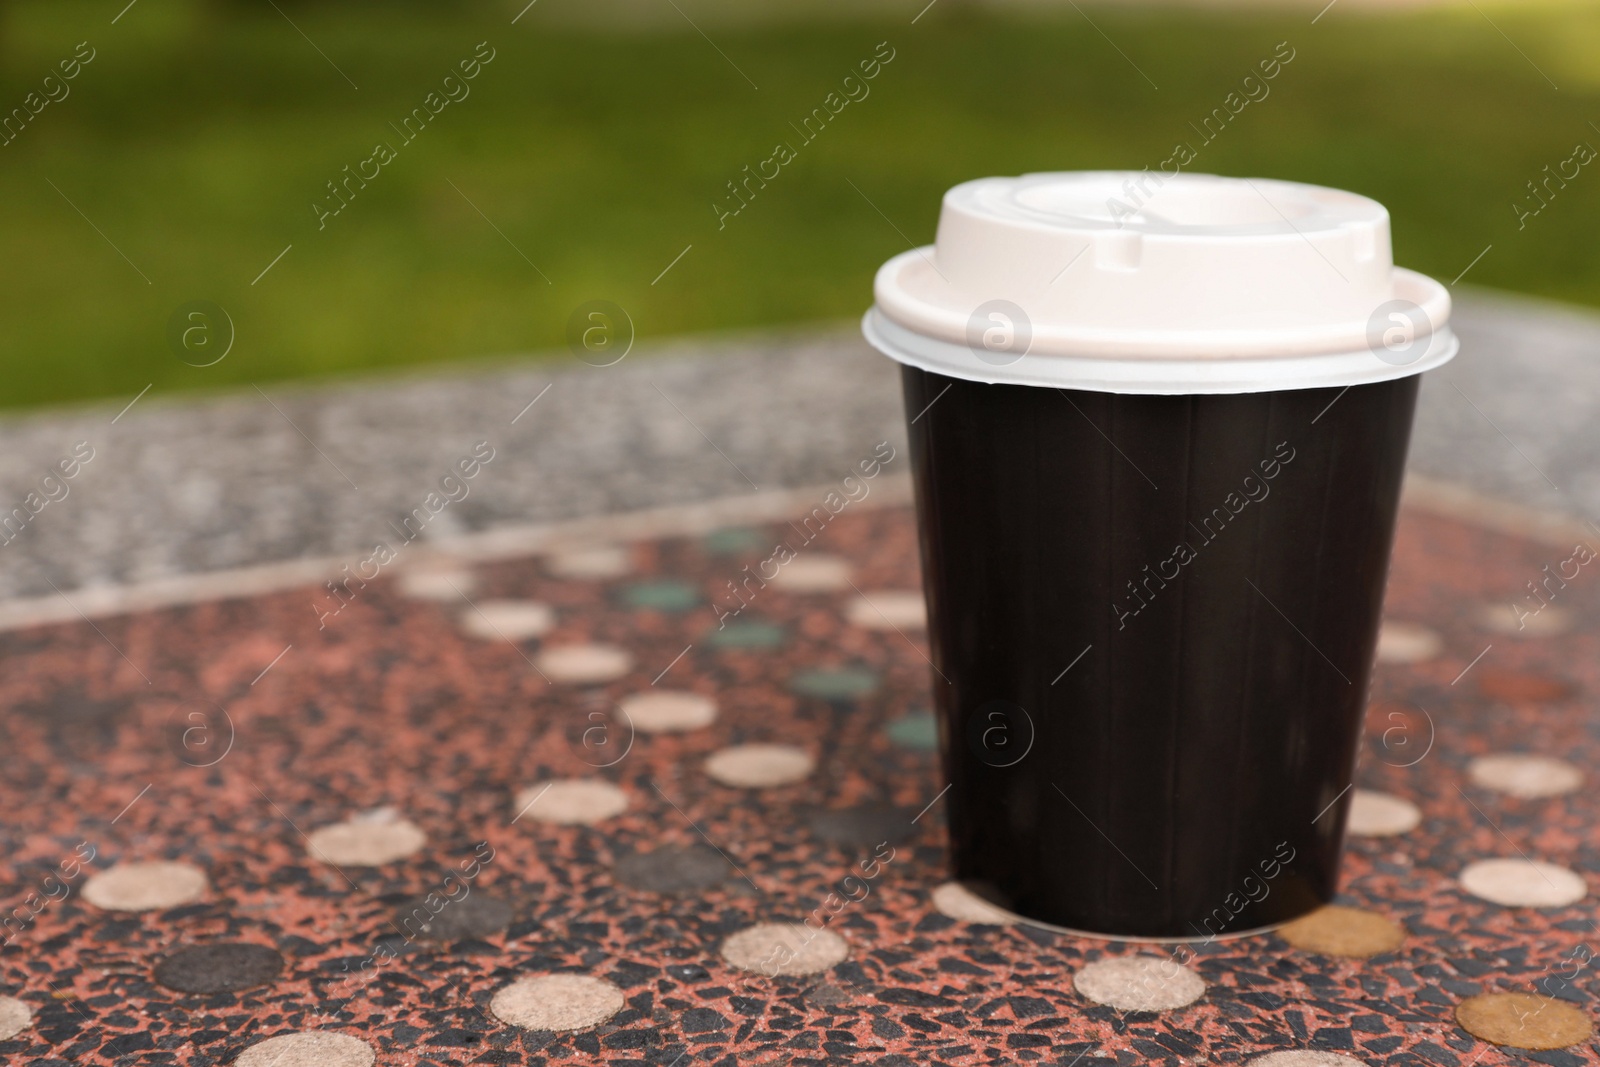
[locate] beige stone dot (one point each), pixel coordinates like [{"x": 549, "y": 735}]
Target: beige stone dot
[
  {"x": 570, "y": 802},
  {"x": 309, "y": 1048},
  {"x": 1304, "y": 1057},
  {"x": 1523, "y": 775},
  {"x": 15, "y": 1017},
  {"x": 785, "y": 949},
  {"x": 1339, "y": 931},
  {"x": 813, "y": 574},
  {"x": 1407, "y": 642},
  {"x": 1523, "y": 1020},
  {"x": 1517, "y": 883},
  {"x": 1139, "y": 983},
  {"x": 669, "y": 711},
  {"x": 145, "y": 886},
  {"x": 596, "y": 562},
  {"x": 889, "y": 609},
  {"x": 1530, "y": 621},
  {"x": 445, "y": 581},
  {"x": 366, "y": 842},
  {"x": 508, "y": 620},
  {"x": 557, "y": 1002},
  {"x": 1374, "y": 814},
  {"x": 760, "y": 766},
  {"x": 584, "y": 664},
  {"x": 956, "y": 901}
]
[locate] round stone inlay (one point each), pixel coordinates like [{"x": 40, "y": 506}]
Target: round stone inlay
[
  {"x": 785, "y": 949},
  {"x": 1340, "y": 931},
  {"x": 223, "y": 967},
  {"x": 152, "y": 886},
  {"x": 1523, "y": 1020},
  {"x": 1517, "y": 883},
  {"x": 1139, "y": 983},
  {"x": 309, "y": 1048},
  {"x": 557, "y": 1002},
  {"x": 760, "y": 766}
]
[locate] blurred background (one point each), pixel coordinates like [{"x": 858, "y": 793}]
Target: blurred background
[
  {"x": 281, "y": 263},
  {"x": 196, "y": 147}
]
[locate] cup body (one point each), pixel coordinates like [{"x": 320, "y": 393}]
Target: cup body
[{"x": 1152, "y": 621}]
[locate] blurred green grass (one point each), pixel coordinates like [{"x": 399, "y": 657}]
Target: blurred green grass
[{"x": 202, "y": 131}]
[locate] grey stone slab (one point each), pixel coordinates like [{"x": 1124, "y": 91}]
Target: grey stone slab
[
  {"x": 199, "y": 484},
  {"x": 1517, "y": 414},
  {"x": 194, "y": 484}
]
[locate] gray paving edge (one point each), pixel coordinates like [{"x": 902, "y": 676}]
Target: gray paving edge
[
  {"x": 684, "y": 520},
  {"x": 513, "y": 542},
  {"x": 229, "y": 491}
]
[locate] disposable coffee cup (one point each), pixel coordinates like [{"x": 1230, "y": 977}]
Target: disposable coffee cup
[{"x": 1158, "y": 427}]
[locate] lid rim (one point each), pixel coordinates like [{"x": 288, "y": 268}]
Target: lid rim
[
  {"x": 944, "y": 323},
  {"x": 1152, "y": 375}
]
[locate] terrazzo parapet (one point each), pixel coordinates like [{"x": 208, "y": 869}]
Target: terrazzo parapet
[{"x": 397, "y": 713}]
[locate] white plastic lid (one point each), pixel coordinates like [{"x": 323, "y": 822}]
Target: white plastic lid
[{"x": 1135, "y": 282}]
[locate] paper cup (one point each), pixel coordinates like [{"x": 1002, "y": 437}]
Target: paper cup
[{"x": 1158, "y": 430}]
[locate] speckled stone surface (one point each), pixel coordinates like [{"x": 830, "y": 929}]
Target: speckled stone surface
[
  {"x": 197, "y": 483},
  {"x": 395, "y": 709}
]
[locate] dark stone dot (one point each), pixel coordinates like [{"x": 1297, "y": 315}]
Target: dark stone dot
[
  {"x": 862, "y": 826},
  {"x": 226, "y": 967},
  {"x": 702, "y": 1020},
  {"x": 475, "y": 915},
  {"x": 828, "y": 995},
  {"x": 673, "y": 869}
]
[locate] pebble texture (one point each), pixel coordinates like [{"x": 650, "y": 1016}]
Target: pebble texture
[
  {"x": 760, "y": 766},
  {"x": 442, "y": 583},
  {"x": 889, "y": 609},
  {"x": 1533, "y": 620},
  {"x": 663, "y": 711},
  {"x": 785, "y": 950},
  {"x": 571, "y": 802},
  {"x": 595, "y": 562},
  {"x": 862, "y": 825},
  {"x": 226, "y": 967},
  {"x": 1374, "y": 814},
  {"x": 1523, "y": 1020},
  {"x": 15, "y": 1017},
  {"x": 956, "y": 901},
  {"x": 673, "y": 869},
  {"x": 476, "y": 915},
  {"x": 1407, "y": 642},
  {"x": 583, "y": 664},
  {"x": 557, "y": 1002},
  {"x": 145, "y": 886},
  {"x": 1341, "y": 931},
  {"x": 1139, "y": 983},
  {"x": 1306, "y": 1058},
  {"x": 313, "y": 1048},
  {"x": 812, "y": 573},
  {"x": 1523, "y": 774},
  {"x": 366, "y": 842},
  {"x": 508, "y": 620},
  {"x": 1523, "y": 883}
]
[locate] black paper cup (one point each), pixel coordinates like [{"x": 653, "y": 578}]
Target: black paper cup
[
  {"x": 1152, "y": 619},
  {"x": 1154, "y": 549}
]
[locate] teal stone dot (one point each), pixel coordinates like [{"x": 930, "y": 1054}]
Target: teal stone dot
[
  {"x": 733, "y": 540},
  {"x": 662, "y": 596},
  {"x": 839, "y": 684},
  {"x": 916, "y": 730},
  {"x": 747, "y": 635}
]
